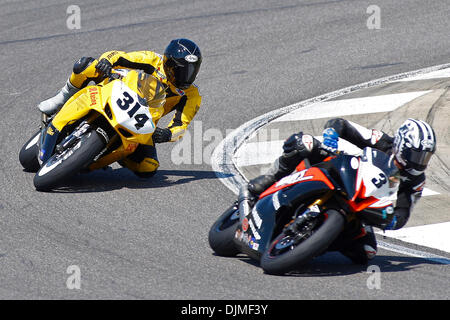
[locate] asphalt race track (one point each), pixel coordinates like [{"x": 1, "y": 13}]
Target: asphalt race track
[{"x": 147, "y": 239}]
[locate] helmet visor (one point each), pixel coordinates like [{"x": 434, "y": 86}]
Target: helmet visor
[
  {"x": 185, "y": 74},
  {"x": 417, "y": 159}
]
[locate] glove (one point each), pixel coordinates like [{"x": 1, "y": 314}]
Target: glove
[
  {"x": 330, "y": 140},
  {"x": 104, "y": 67},
  {"x": 293, "y": 143},
  {"x": 161, "y": 135}
]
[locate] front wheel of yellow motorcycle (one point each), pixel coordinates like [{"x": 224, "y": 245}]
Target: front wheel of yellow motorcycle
[{"x": 65, "y": 164}]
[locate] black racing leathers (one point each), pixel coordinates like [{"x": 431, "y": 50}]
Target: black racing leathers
[{"x": 300, "y": 146}]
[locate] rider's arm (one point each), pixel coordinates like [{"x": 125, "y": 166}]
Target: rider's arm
[
  {"x": 295, "y": 149},
  {"x": 185, "y": 110},
  {"x": 359, "y": 135},
  {"x": 143, "y": 60},
  {"x": 409, "y": 192}
]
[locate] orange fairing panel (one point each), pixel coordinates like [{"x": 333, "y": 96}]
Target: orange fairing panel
[{"x": 303, "y": 176}]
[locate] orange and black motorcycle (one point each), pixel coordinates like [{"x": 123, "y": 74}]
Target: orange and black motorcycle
[{"x": 301, "y": 215}]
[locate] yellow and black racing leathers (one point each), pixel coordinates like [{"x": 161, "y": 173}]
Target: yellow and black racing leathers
[{"x": 184, "y": 103}]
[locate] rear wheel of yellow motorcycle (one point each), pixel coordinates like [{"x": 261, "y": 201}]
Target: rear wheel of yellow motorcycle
[{"x": 69, "y": 162}]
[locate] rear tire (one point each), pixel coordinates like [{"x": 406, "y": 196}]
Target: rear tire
[
  {"x": 68, "y": 163},
  {"x": 222, "y": 233},
  {"x": 28, "y": 155},
  {"x": 278, "y": 261}
]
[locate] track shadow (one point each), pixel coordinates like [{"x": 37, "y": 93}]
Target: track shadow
[
  {"x": 336, "y": 264},
  {"x": 113, "y": 179}
]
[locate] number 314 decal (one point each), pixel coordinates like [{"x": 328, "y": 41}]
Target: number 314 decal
[{"x": 125, "y": 103}]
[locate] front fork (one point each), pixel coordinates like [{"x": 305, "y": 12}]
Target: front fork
[
  {"x": 311, "y": 212},
  {"x": 50, "y": 135}
]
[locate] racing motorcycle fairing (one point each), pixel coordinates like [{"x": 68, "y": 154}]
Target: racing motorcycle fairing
[
  {"x": 377, "y": 180},
  {"x": 126, "y": 104},
  {"x": 256, "y": 230},
  {"x": 306, "y": 175},
  {"x": 344, "y": 170}
]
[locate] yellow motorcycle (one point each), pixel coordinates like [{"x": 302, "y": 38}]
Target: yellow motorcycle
[{"x": 97, "y": 126}]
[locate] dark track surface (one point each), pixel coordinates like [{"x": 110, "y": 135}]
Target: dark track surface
[{"x": 134, "y": 238}]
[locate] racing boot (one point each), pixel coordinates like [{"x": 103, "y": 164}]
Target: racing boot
[
  {"x": 296, "y": 148},
  {"x": 259, "y": 184},
  {"x": 277, "y": 171},
  {"x": 52, "y": 105}
]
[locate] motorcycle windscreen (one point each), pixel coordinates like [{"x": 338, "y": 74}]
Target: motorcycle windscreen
[
  {"x": 151, "y": 89},
  {"x": 345, "y": 170}
]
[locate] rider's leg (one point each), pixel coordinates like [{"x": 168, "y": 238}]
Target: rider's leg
[
  {"x": 83, "y": 72},
  {"x": 295, "y": 149},
  {"x": 143, "y": 162},
  {"x": 363, "y": 246}
]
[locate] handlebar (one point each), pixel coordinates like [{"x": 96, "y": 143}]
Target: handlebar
[{"x": 114, "y": 76}]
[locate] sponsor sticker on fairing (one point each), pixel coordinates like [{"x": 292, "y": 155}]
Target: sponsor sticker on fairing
[{"x": 293, "y": 178}]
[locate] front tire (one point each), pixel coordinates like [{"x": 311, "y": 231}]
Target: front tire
[
  {"x": 222, "y": 233},
  {"x": 28, "y": 155},
  {"x": 285, "y": 255},
  {"x": 68, "y": 163}
]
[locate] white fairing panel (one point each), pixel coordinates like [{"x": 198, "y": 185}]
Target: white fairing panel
[
  {"x": 129, "y": 111},
  {"x": 374, "y": 179}
]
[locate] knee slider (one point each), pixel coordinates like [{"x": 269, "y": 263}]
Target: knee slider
[{"x": 82, "y": 64}]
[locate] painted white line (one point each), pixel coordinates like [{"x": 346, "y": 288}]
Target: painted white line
[
  {"x": 428, "y": 192},
  {"x": 413, "y": 253},
  {"x": 256, "y": 153},
  {"x": 432, "y": 235},
  {"x": 438, "y": 74},
  {"x": 266, "y": 152},
  {"x": 340, "y": 108}
]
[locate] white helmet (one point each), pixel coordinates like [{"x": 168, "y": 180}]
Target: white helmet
[{"x": 414, "y": 144}]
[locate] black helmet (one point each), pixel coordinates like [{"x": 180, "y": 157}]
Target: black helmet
[
  {"x": 182, "y": 60},
  {"x": 414, "y": 144}
]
